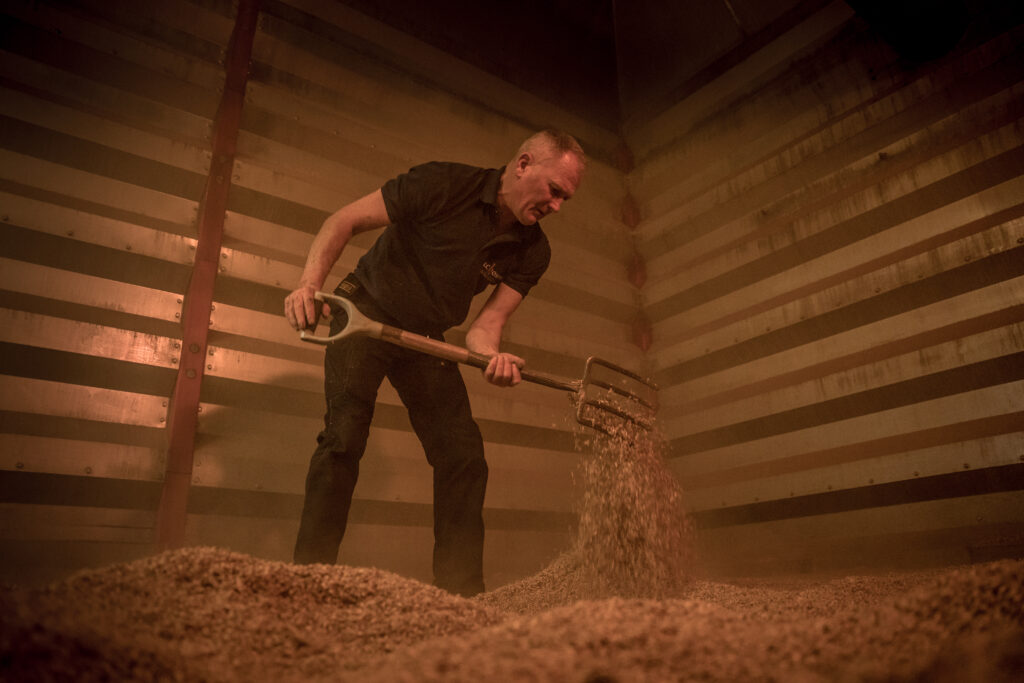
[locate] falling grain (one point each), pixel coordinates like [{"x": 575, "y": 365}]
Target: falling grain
[{"x": 634, "y": 538}]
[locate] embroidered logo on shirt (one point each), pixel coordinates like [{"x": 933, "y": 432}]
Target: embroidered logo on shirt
[{"x": 490, "y": 273}]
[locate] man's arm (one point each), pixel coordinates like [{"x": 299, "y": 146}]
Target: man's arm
[
  {"x": 484, "y": 336},
  {"x": 363, "y": 214}
]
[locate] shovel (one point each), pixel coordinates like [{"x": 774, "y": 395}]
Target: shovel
[{"x": 594, "y": 395}]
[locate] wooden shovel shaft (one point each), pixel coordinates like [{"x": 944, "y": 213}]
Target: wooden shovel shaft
[
  {"x": 359, "y": 324},
  {"x": 458, "y": 354}
]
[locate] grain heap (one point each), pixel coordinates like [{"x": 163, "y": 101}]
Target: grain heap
[
  {"x": 949, "y": 627},
  {"x": 206, "y": 613},
  {"x": 617, "y": 607},
  {"x": 211, "y": 615}
]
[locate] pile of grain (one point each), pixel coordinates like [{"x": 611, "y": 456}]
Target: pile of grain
[
  {"x": 205, "y": 614},
  {"x": 964, "y": 625},
  {"x": 619, "y": 605}
]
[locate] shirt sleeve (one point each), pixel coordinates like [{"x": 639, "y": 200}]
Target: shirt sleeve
[
  {"x": 421, "y": 193},
  {"x": 532, "y": 265}
]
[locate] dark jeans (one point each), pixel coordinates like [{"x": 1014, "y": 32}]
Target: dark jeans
[{"x": 435, "y": 396}]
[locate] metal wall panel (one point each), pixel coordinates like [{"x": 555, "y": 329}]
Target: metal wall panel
[
  {"x": 105, "y": 111},
  {"x": 107, "y": 114},
  {"x": 836, "y": 287},
  {"x": 831, "y": 240}
]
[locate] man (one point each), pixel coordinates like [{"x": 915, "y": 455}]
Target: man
[{"x": 451, "y": 230}]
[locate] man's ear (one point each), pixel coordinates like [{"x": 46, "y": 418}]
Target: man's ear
[{"x": 522, "y": 162}]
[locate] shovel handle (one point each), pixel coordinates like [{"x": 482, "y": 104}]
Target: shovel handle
[{"x": 359, "y": 325}]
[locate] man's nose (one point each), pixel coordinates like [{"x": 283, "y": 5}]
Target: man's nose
[{"x": 555, "y": 204}]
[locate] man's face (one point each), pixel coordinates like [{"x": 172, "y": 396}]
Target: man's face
[{"x": 542, "y": 184}]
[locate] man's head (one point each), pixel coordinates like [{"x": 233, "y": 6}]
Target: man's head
[{"x": 545, "y": 172}]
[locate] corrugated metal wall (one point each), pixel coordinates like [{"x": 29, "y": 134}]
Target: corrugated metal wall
[
  {"x": 108, "y": 111},
  {"x": 105, "y": 118},
  {"x": 831, "y": 240},
  {"x": 834, "y": 241}
]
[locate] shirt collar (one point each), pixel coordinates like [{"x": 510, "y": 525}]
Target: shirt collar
[
  {"x": 492, "y": 180},
  {"x": 489, "y": 195}
]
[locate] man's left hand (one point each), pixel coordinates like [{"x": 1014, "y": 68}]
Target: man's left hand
[{"x": 503, "y": 370}]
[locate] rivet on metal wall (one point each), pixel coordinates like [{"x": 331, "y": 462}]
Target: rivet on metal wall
[
  {"x": 88, "y": 470},
  {"x": 190, "y": 373},
  {"x": 193, "y": 347}
]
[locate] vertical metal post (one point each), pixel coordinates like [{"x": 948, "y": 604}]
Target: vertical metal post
[{"x": 184, "y": 408}]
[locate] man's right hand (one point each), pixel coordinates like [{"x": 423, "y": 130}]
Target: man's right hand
[{"x": 300, "y": 308}]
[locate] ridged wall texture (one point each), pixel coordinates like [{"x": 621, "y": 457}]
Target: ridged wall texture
[
  {"x": 109, "y": 118},
  {"x": 835, "y": 285},
  {"x": 820, "y": 251}
]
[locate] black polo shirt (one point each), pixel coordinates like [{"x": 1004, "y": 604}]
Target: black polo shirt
[{"x": 444, "y": 246}]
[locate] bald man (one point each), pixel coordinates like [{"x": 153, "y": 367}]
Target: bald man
[{"x": 451, "y": 231}]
